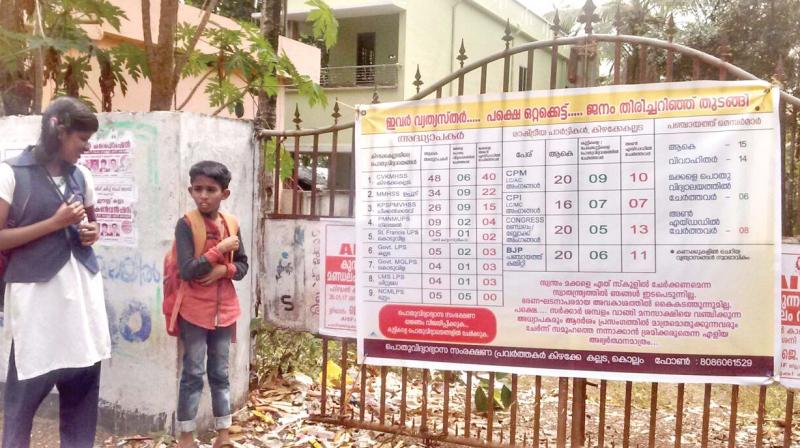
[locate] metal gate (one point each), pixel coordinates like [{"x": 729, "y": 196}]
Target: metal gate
[{"x": 439, "y": 406}]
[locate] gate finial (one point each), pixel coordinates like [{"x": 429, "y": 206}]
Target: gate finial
[
  {"x": 417, "y": 79},
  {"x": 462, "y": 54},
  {"x": 336, "y": 113},
  {"x": 588, "y": 16},
  {"x": 297, "y": 119},
  {"x": 671, "y": 28},
  {"x": 780, "y": 72},
  {"x": 725, "y": 50},
  {"x": 507, "y": 37},
  {"x": 556, "y": 26},
  {"x": 375, "y": 98}
]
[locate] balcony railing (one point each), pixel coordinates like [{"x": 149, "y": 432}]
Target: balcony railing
[{"x": 360, "y": 75}]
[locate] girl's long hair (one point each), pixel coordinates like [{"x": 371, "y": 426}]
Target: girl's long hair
[{"x": 65, "y": 114}]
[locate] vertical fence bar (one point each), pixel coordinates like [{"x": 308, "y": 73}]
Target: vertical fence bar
[
  {"x": 352, "y": 196},
  {"x": 343, "y": 379},
  {"x": 506, "y": 73},
  {"x": 332, "y": 174},
  {"x": 626, "y": 427},
  {"x": 601, "y": 422},
  {"x": 324, "y": 392},
  {"x": 762, "y": 401},
  {"x": 679, "y": 415},
  {"x": 706, "y": 414},
  {"x": 695, "y": 69},
  {"x": 446, "y": 404},
  {"x": 484, "y": 70},
  {"x": 785, "y": 201},
  {"x": 295, "y": 175},
  {"x": 651, "y": 440},
  {"x": 733, "y": 418},
  {"x": 578, "y": 411},
  {"x": 529, "y": 72},
  {"x": 423, "y": 424},
  {"x": 512, "y": 436},
  {"x": 617, "y": 62},
  {"x": 314, "y": 167},
  {"x": 439, "y": 92},
  {"x": 537, "y": 411},
  {"x": 561, "y": 432},
  {"x": 642, "y": 64},
  {"x": 787, "y": 422},
  {"x": 553, "y": 66},
  {"x": 490, "y": 409},
  {"x": 468, "y": 406},
  {"x": 793, "y": 155},
  {"x": 382, "y": 412},
  {"x": 403, "y": 394},
  {"x": 277, "y": 192},
  {"x": 670, "y": 63},
  {"x": 362, "y": 399},
  {"x": 460, "y": 85}
]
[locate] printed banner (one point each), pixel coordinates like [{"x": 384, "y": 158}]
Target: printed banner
[
  {"x": 110, "y": 160},
  {"x": 790, "y": 316},
  {"x": 623, "y": 232},
  {"x": 337, "y": 315}
]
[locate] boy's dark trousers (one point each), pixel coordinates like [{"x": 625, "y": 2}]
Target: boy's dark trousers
[{"x": 78, "y": 390}]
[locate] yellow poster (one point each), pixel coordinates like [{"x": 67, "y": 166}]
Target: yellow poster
[{"x": 625, "y": 232}]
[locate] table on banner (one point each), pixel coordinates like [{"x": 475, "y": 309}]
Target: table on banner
[{"x": 539, "y": 232}]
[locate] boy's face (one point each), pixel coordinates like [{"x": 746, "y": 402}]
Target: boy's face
[{"x": 207, "y": 194}]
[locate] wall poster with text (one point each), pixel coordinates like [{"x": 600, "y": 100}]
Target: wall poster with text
[
  {"x": 622, "y": 232},
  {"x": 110, "y": 160},
  {"x": 337, "y": 315}
]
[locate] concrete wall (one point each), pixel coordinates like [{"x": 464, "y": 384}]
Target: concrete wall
[
  {"x": 139, "y": 384},
  {"x": 293, "y": 268}
]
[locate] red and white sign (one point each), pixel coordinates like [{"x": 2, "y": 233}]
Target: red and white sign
[
  {"x": 337, "y": 315},
  {"x": 790, "y": 315}
]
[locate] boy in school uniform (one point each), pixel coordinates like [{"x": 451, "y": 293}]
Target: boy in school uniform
[{"x": 208, "y": 307}]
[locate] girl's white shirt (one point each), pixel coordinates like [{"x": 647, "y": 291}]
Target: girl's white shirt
[{"x": 61, "y": 323}]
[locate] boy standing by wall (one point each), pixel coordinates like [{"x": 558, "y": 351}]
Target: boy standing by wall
[{"x": 208, "y": 307}]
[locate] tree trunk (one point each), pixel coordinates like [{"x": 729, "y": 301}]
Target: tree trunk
[
  {"x": 162, "y": 62},
  {"x": 13, "y": 75},
  {"x": 271, "y": 28}
]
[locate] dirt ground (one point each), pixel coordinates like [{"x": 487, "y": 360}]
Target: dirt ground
[{"x": 45, "y": 433}]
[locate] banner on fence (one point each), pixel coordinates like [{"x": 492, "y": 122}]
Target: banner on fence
[
  {"x": 790, "y": 316},
  {"x": 337, "y": 316},
  {"x": 615, "y": 232}
]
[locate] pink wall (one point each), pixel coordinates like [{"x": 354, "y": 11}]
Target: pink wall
[{"x": 305, "y": 57}]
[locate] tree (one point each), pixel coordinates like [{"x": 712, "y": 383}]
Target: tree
[
  {"x": 241, "y": 53},
  {"x": 324, "y": 27},
  {"x": 29, "y": 56},
  {"x": 235, "y": 9},
  {"x": 165, "y": 68},
  {"x": 757, "y": 34}
]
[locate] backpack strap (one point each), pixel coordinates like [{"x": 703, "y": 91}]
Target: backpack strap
[
  {"x": 198, "y": 226},
  {"x": 232, "y": 224}
]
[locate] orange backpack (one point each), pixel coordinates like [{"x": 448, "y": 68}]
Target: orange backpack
[{"x": 172, "y": 277}]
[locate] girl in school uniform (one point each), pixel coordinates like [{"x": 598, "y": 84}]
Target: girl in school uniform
[{"x": 54, "y": 307}]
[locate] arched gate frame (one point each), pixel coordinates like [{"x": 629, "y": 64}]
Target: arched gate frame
[{"x": 447, "y": 421}]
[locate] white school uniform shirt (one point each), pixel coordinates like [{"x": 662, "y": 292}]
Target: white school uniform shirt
[{"x": 61, "y": 323}]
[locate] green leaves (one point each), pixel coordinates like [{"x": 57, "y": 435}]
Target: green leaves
[
  {"x": 133, "y": 58},
  {"x": 287, "y": 162},
  {"x": 324, "y": 25},
  {"x": 502, "y": 394}
]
